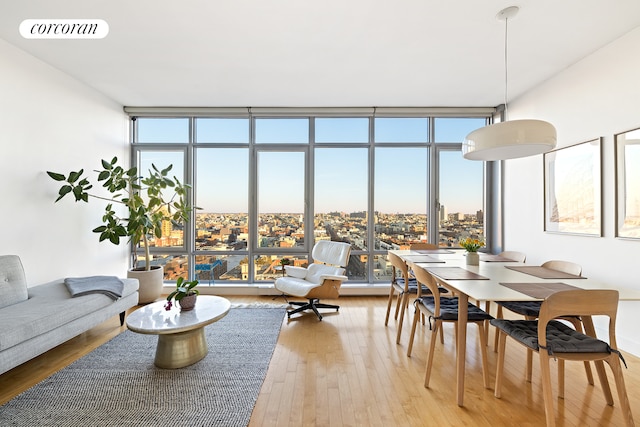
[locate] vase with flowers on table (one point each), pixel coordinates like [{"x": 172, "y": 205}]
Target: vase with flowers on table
[{"x": 472, "y": 246}]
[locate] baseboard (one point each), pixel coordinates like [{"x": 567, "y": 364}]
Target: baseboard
[{"x": 269, "y": 290}]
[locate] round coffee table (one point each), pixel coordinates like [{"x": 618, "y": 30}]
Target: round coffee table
[{"x": 181, "y": 339}]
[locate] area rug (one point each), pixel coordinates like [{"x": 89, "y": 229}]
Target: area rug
[{"x": 117, "y": 384}]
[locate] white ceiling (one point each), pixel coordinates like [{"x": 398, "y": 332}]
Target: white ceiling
[{"x": 340, "y": 53}]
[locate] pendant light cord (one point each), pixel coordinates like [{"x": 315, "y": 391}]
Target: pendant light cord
[{"x": 506, "y": 23}]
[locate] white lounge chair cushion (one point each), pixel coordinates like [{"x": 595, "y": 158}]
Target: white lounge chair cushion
[
  {"x": 293, "y": 271},
  {"x": 314, "y": 276}
]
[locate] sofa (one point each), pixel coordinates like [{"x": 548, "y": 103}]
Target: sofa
[{"x": 35, "y": 319}]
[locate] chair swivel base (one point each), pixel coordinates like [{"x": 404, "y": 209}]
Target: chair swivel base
[{"x": 313, "y": 304}]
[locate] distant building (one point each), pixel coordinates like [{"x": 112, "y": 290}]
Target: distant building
[{"x": 443, "y": 213}]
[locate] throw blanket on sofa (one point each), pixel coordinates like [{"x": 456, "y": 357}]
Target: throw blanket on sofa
[{"x": 111, "y": 286}]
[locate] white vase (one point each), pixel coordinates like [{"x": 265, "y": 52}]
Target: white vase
[{"x": 473, "y": 258}]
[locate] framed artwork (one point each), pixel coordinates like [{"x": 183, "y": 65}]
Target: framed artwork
[
  {"x": 573, "y": 189},
  {"x": 627, "y": 148}
]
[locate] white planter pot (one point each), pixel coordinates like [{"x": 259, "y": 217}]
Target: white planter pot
[{"x": 151, "y": 283}]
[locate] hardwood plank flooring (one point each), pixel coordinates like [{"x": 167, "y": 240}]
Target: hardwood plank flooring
[{"x": 347, "y": 370}]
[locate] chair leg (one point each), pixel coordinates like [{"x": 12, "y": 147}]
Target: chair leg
[
  {"x": 483, "y": 353},
  {"x": 455, "y": 333},
  {"x": 604, "y": 382},
  {"x": 403, "y": 307},
  {"x": 416, "y": 316},
  {"x": 313, "y": 304},
  {"x": 487, "y": 308},
  {"x": 391, "y": 294},
  {"x": 577, "y": 325},
  {"x": 614, "y": 363},
  {"x": 301, "y": 307},
  {"x": 529, "y": 368},
  {"x": 432, "y": 347},
  {"x": 398, "y": 302},
  {"x": 587, "y": 321},
  {"x": 323, "y": 305},
  {"x": 315, "y": 310},
  {"x": 499, "y": 315},
  {"x": 546, "y": 389},
  {"x": 560, "y": 378},
  {"x": 501, "y": 344},
  {"x": 587, "y": 370}
]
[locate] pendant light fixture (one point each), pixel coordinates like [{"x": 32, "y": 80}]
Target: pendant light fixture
[{"x": 509, "y": 139}]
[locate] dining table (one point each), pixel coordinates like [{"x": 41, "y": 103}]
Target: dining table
[{"x": 497, "y": 279}]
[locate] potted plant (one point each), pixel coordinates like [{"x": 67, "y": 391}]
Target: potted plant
[
  {"x": 184, "y": 294},
  {"x": 146, "y": 205},
  {"x": 472, "y": 246},
  {"x": 284, "y": 262}
]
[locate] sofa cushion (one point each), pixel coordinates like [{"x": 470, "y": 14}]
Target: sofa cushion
[
  {"x": 13, "y": 284},
  {"x": 49, "y": 306}
]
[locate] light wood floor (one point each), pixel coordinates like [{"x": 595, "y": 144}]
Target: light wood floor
[{"x": 347, "y": 370}]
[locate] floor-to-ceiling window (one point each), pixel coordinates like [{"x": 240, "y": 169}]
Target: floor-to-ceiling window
[
  {"x": 460, "y": 206},
  {"x": 269, "y": 184}
]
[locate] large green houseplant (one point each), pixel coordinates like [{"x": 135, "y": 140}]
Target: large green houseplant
[{"x": 146, "y": 204}]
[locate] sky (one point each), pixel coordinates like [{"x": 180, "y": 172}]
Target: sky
[{"x": 341, "y": 177}]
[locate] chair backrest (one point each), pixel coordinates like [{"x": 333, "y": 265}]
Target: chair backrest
[
  {"x": 514, "y": 255},
  {"x": 564, "y": 266},
  {"x": 332, "y": 253},
  {"x": 418, "y": 246},
  {"x": 399, "y": 266},
  {"x": 579, "y": 302},
  {"x": 426, "y": 279}
]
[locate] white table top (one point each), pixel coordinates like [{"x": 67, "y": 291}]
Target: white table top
[
  {"x": 155, "y": 319},
  {"x": 496, "y": 272}
]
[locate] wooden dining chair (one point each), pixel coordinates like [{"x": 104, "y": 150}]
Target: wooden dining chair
[
  {"x": 444, "y": 309},
  {"x": 402, "y": 286},
  {"x": 531, "y": 309},
  {"x": 553, "y": 339},
  {"x": 564, "y": 266}
]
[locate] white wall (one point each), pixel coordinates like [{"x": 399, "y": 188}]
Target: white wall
[
  {"x": 597, "y": 97},
  {"x": 49, "y": 121}
]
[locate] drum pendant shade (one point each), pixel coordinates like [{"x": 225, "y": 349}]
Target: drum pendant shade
[{"x": 509, "y": 139}]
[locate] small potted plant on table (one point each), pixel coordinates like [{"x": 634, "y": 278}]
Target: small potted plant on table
[{"x": 184, "y": 294}]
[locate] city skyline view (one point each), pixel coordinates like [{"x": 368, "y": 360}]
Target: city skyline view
[{"x": 222, "y": 243}]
